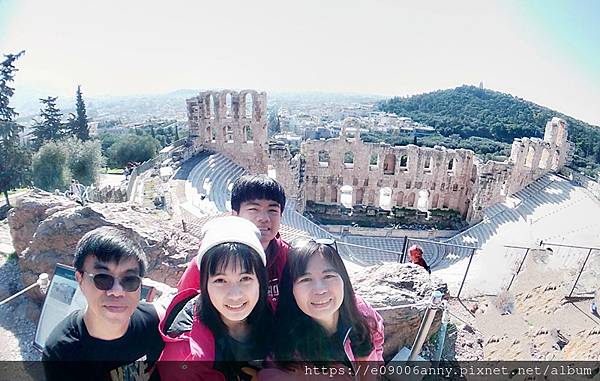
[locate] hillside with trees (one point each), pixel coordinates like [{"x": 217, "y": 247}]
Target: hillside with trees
[{"x": 470, "y": 117}]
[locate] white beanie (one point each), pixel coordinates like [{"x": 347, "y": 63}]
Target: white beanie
[{"x": 230, "y": 229}]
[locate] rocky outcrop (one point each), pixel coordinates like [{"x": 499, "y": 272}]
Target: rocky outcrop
[
  {"x": 392, "y": 285},
  {"x": 46, "y": 228}
]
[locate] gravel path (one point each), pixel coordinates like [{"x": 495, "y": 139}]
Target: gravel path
[{"x": 16, "y": 332}]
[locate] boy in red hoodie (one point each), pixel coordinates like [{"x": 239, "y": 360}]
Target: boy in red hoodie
[{"x": 261, "y": 200}]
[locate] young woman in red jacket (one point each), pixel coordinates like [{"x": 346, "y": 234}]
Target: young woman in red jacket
[{"x": 219, "y": 333}]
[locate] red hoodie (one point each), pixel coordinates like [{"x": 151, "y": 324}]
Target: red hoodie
[{"x": 276, "y": 258}]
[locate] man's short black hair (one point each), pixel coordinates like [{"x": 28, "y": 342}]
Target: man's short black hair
[
  {"x": 109, "y": 245},
  {"x": 256, "y": 187}
]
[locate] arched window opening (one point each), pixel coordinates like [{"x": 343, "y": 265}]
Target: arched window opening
[
  {"x": 374, "y": 162},
  {"x": 410, "y": 200},
  {"x": 333, "y": 195},
  {"x": 228, "y": 133},
  {"x": 323, "y": 159},
  {"x": 385, "y": 198},
  {"x": 403, "y": 161},
  {"x": 349, "y": 160},
  {"x": 434, "y": 201},
  {"x": 346, "y": 196},
  {"x": 359, "y": 195},
  {"x": 211, "y": 106},
  {"x": 427, "y": 164},
  {"x": 389, "y": 164},
  {"x": 228, "y": 106},
  {"x": 529, "y": 159},
  {"x": 399, "y": 198},
  {"x": 248, "y": 134},
  {"x": 322, "y": 194},
  {"x": 451, "y": 165},
  {"x": 423, "y": 201},
  {"x": 249, "y": 105},
  {"x": 543, "y": 164}
]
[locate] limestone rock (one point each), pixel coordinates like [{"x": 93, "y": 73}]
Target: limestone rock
[
  {"x": 45, "y": 230},
  {"x": 395, "y": 284}
]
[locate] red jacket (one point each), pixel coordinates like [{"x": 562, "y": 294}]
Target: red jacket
[
  {"x": 276, "y": 257},
  {"x": 189, "y": 354}
]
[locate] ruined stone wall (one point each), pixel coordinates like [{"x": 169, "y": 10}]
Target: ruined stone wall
[
  {"x": 440, "y": 177},
  {"x": 287, "y": 171},
  {"x": 233, "y": 123},
  {"x": 345, "y": 170},
  {"x": 530, "y": 159}
]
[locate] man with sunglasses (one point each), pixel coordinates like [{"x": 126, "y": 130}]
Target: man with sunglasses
[{"x": 116, "y": 336}]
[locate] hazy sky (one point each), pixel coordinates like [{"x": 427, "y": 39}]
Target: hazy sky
[{"x": 542, "y": 50}]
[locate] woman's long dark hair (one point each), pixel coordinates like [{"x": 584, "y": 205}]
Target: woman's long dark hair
[
  {"x": 216, "y": 260},
  {"x": 297, "y": 337}
]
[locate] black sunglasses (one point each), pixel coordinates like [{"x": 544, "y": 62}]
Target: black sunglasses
[
  {"x": 105, "y": 282},
  {"x": 301, "y": 242}
]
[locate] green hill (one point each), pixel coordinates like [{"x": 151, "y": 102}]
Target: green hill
[{"x": 470, "y": 116}]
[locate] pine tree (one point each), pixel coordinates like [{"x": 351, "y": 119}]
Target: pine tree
[
  {"x": 50, "y": 127},
  {"x": 80, "y": 124},
  {"x": 13, "y": 158}
]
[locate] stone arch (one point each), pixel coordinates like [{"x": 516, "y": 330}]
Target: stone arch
[
  {"x": 348, "y": 159},
  {"x": 333, "y": 196},
  {"x": 228, "y": 134},
  {"x": 451, "y": 164},
  {"x": 404, "y": 161},
  {"x": 228, "y": 105},
  {"x": 556, "y": 161},
  {"x": 371, "y": 197},
  {"x": 389, "y": 164},
  {"x": 410, "y": 200},
  {"x": 249, "y": 103},
  {"x": 374, "y": 161},
  {"x": 427, "y": 164},
  {"x": 543, "y": 164},
  {"x": 323, "y": 158},
  {"x": 399, "y": 198},
  {"x": 423, "y": 200},
  {"x": 209, "y": 103},
  {"x": 346, "y": 195},
  {"x": 530, "y": 156},
  {"x": 360, "y": 193},
  {"x": 435, "y": 200},
  {"x": 322, "y": 194},
  {"x": 248, "y": 134},
  {"x": 385, "y": 198}
]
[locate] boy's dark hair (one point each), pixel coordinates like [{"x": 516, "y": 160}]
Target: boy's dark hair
[
  {"x": 256, "y": 187},
  {"x": 109, "y": 245}
]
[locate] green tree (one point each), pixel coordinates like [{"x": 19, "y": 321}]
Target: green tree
[
  {"x": 79, "y": 124},
  {"x": 14, "y": 159},
  {"x": 50, "y": 168},
  {"x": 84, "y": 159},
  {"x": 132, "y": 148},
  {"x": 50, "y": 127}
]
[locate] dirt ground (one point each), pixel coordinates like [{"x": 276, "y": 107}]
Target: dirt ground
[{"x": 532, "y": 320}]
